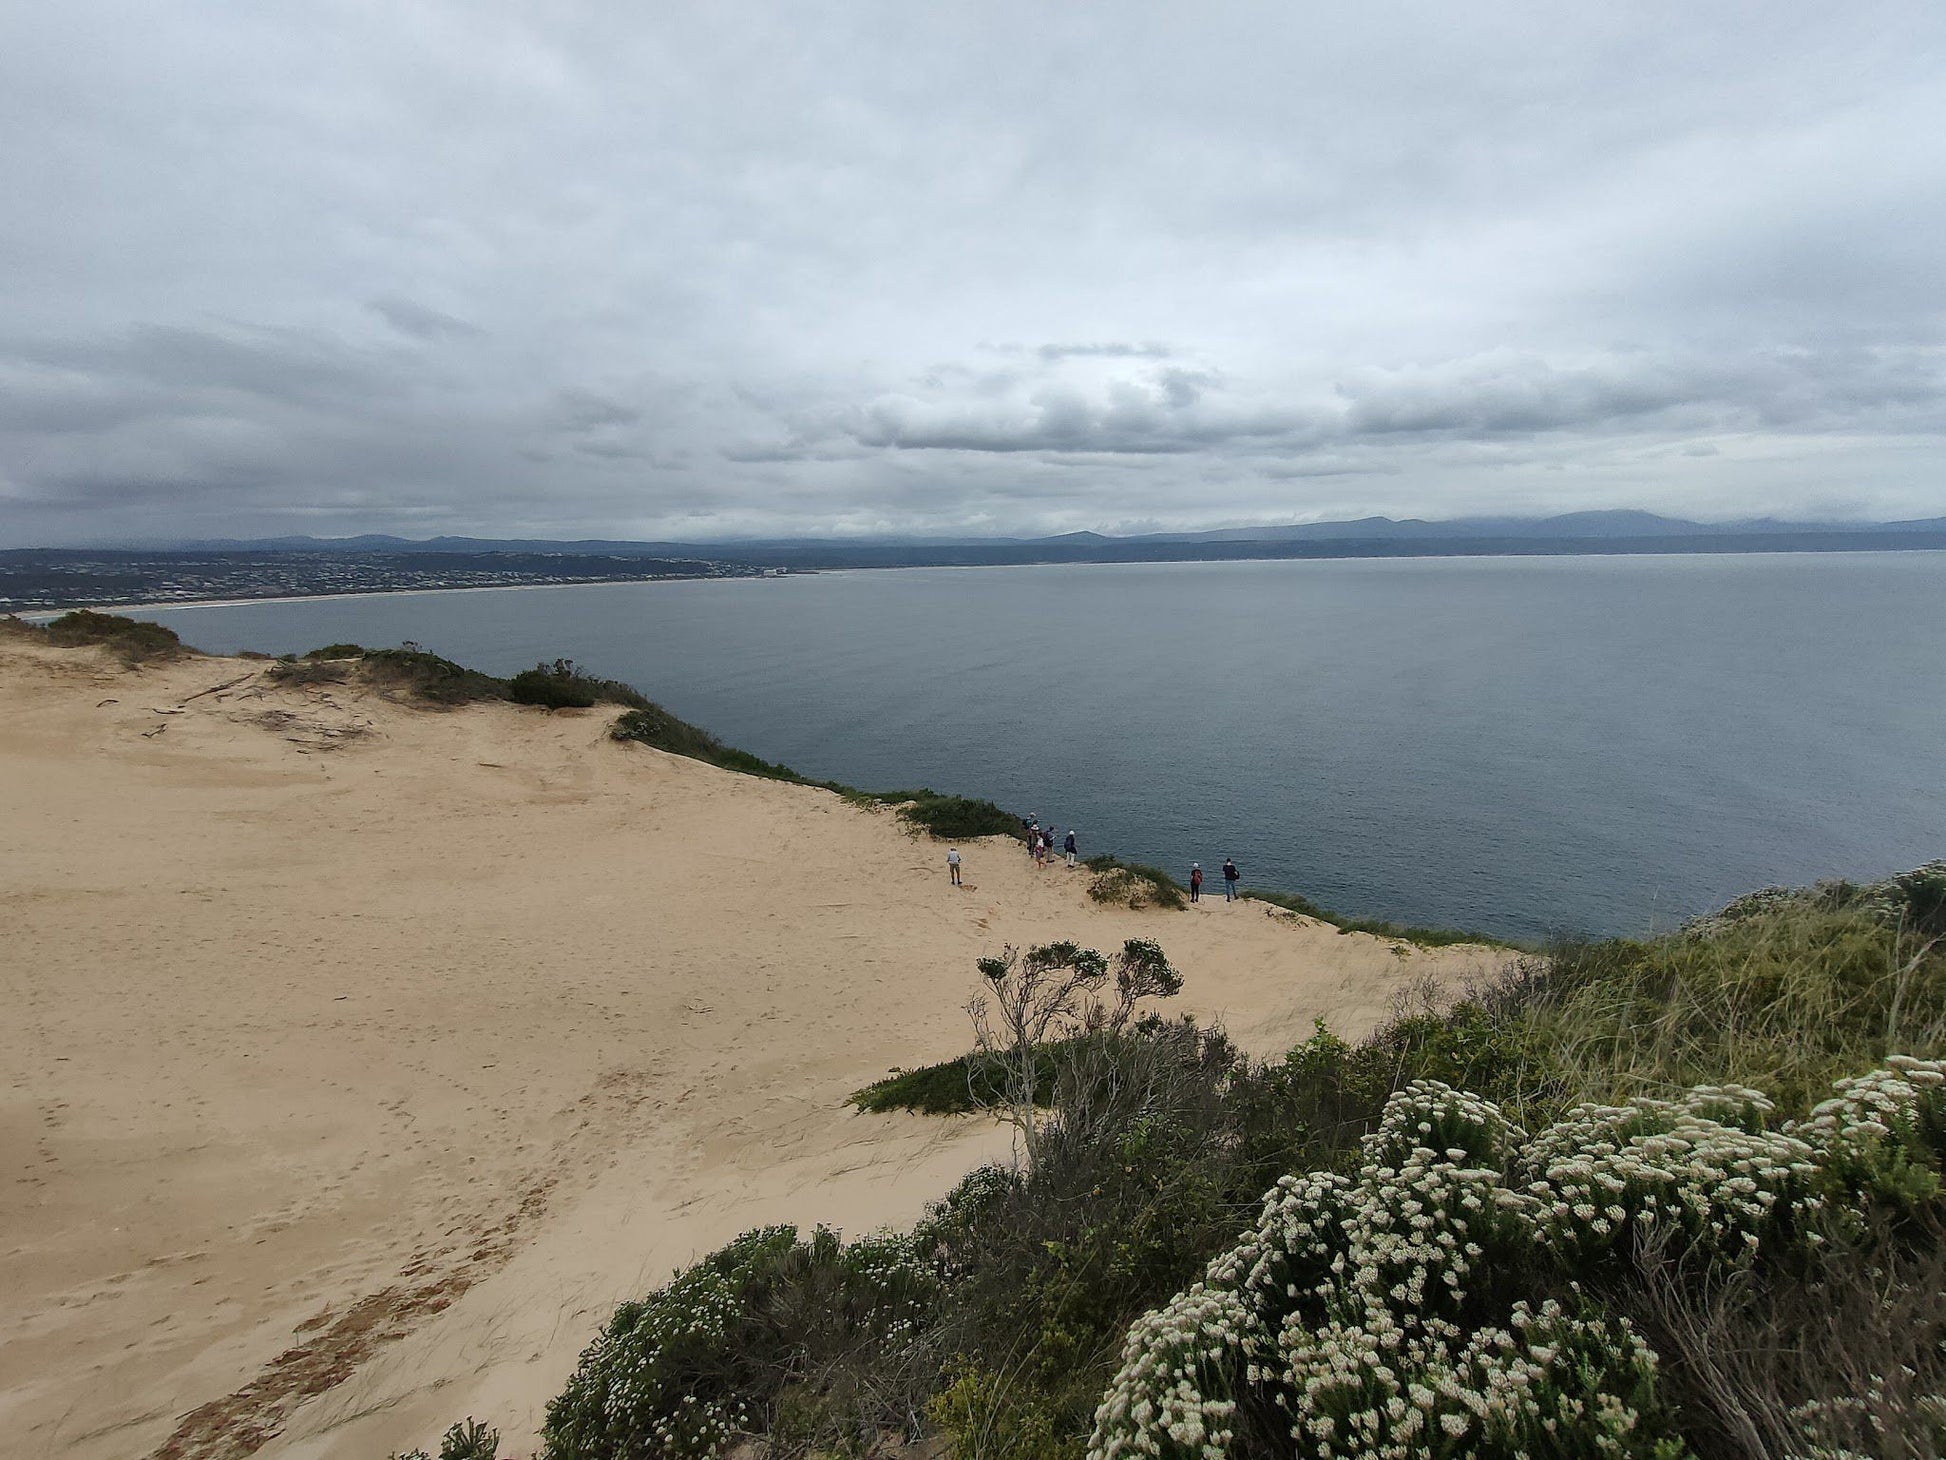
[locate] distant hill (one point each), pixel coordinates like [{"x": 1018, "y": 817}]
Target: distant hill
[{"x": 1568, "y": 532}]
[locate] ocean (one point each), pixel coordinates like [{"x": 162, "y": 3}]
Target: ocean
[{"x": 1526, "y": 746}]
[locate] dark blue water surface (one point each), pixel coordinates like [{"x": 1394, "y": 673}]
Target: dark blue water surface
[{"x": 1522, "y": 745}]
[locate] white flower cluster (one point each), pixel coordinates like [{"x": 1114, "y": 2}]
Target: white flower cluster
[
  {"x": 1703, "y": 1164},
  {"x": 1377, "y": 1317},
  {"x": 1905, "y": 1101},
  {"x": 1177, "y": 1389},
  {"x": 696, "y": 1313}
]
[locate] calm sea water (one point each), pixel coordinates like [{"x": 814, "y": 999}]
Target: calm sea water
[{"x": 1522, "y": 745}]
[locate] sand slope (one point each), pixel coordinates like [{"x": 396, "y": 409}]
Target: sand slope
[{"x": 358, "y": 1057}]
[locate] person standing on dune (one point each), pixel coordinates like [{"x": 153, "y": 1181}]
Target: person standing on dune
[
  {"x": 1195, "y": 881},
  {"x": 1230, "y": 875},
  {"x": 952, "y": 864},
  {"x": 1069, "y": 846}
]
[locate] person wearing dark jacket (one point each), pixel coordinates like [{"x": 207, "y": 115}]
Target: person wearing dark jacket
[
  {"x": 1069, "y": 846},
  {"x": 1230, "y": 875},
  {"x": 1195, "y": 881}
]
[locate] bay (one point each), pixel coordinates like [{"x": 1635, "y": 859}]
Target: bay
[{"x": 1519, "y": 745}]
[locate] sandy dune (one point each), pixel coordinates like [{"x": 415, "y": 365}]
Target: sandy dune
[{"x": 357, "y": 1057}]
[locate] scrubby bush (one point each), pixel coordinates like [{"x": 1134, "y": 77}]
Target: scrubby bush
[
  {"x": 556, "y": 686},
  {"x": 426, "y": 677},
  {"x": 1133, "y": 885},
  {"x": 817, "y": 1342},
  {"x": 134, "y": 640},
  {"x": 649, "y": 724},
  {"x": 952, "y": 1087},
  {"x": 951, "y": 818}
]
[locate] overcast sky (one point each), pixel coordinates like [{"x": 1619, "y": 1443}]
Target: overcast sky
[{"x": 689, "y": 270}]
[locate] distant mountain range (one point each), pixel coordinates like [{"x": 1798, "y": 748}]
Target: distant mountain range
[{"x": 1572, "y": 532}]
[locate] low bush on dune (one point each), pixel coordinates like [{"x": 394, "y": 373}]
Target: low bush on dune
[
  {"x": 407, "y": 672},
  {"x": 649, "y": 724},
  {"x": 819, "y": 1344},
  {"x": 950, "y": 818},
  {"x": 1133, "y": 885},
  {"x": 133, "y": 640},
  {"x": 413, "y": 673},
  {"x": 952, "y": 1087},
  {"x": 562, "y": 686}
]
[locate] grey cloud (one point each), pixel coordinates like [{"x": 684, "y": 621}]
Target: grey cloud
[
  {"x": 420, "y": 321},
  {"x": 583, "y": 410},
  {"x": 1111, "y": 350}
]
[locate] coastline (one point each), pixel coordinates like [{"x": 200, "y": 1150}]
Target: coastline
[
  {"x": 463, "y": 1026},
  {"x": 46, "y": 615},
  {"x": 37, "y": 615}
]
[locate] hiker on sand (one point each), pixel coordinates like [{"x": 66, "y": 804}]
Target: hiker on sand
[
  {"x": 1040, "y": 852},
  {"x": 1195, "y": 881},
  {"x": 1230, "y": 875},
  {"x": 952, "y": 864},
  {"x": 1069, "y": 846}
]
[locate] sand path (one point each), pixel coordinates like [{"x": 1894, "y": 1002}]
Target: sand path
[{"x": 357, "y": 1058}]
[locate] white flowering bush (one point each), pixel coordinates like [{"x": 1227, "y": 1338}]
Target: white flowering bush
[
  {"x": 1434, "y": 1305},
  {"x": 698, "y": 1364}
]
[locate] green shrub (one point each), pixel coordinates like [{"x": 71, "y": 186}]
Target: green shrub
[
  {"x": 951, "y": 818},
  {"x": 1133, "y": 885},
  {"x": 132, "y": 639},
  {"x": 554, "y": 687},
  {"x": 649, "y": 724},
  {"x": 562, "y": 686},
  {"x": 427, "y": 677},
  {"x": 337, "y": 651},
  {"x": 954, "y": 1087},
  {"x": 771, "y": 1330}
]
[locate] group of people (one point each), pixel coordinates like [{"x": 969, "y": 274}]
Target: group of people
[
  {"x": 1042, "y": 844},
  {"x": 1230, "y": 876}
]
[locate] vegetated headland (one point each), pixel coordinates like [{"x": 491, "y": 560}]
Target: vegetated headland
[
  {"x": 297, "y": 567},
  {"x": 1242, "y": 1182}
]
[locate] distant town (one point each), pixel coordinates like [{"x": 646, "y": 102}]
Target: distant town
[
  {"x": 44, "y": 579},
  {"x": 296, "y": 567}
]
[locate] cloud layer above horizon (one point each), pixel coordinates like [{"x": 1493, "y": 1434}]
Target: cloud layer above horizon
[{"x": 679, "y": 272}]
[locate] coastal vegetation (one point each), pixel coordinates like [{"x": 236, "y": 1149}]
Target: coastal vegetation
[
  {"x": 1609, "y": 1203},
  {"x": 1378, "y": 927},
  {"x": 131, "y": 640},
  {"x": 1133, "y": 884}
]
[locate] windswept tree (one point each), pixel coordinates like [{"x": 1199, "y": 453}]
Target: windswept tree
[{"x": 1053, "y": 992}]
